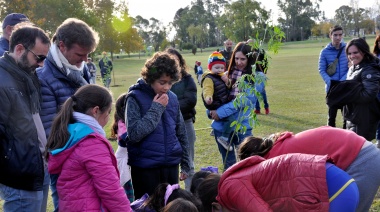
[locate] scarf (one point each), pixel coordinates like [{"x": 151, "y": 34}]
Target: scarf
[
  {"x": 90, "y": 121},
  {"x": 71, "y": 71},
  {"x": 235, "y": 76}
]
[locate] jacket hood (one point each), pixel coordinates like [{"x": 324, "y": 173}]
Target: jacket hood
[
  {"x": 57, "y": 157},
  {"x": 141, "y": 85}
]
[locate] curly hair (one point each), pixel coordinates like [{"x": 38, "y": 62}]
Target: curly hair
[{"x": 162, "y": 63}]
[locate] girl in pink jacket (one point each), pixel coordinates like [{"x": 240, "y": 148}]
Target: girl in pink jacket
[{"x": 81, "y": 156}]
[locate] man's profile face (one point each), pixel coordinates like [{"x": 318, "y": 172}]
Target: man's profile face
[
  {"x": 336, "y": 37},
  {"x": 228, "y": 45},
  {"x": 28, "y": 61},
  {"x": 75, "y": 55}
]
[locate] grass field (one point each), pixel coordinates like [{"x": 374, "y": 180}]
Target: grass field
[{"x": 295, "y": 90}]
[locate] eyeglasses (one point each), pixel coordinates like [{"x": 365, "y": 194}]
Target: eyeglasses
[{"x": 39, "y": 58}]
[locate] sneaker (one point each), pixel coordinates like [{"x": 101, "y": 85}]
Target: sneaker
[
  {"x": 212, "y": 132},
  {"x": 266, "y": 111},
  {"x": 257, "y": 111},
  {"x": 224, "y": 142}
]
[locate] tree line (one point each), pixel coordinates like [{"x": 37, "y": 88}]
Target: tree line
[{"x": 201, "y": 24}]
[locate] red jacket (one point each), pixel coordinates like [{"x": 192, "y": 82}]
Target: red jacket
[
  {"x": 342, "y": 146},
  {"x": 88, "y": 177},
  {"x": 292, "y": 182}
]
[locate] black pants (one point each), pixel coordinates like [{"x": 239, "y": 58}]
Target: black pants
[
  {"x": 333, "y": 111},
  {"x": 146, "y": 180}
]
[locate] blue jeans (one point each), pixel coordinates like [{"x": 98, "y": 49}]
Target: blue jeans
[
  {"x": 265, "y": 100},
  {"x": 20, "y": 200},
  {"x": 235, "y": 142},
  {"x": 54, "y": 193},
  {"x": 45, "y": 189}
]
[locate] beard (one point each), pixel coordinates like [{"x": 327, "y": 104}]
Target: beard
[
  {"x": 229, "y": 49},
  {"x": 24, "y": 64}
]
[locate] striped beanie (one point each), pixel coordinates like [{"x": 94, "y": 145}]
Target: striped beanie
[{"x": 216, "y": 58}]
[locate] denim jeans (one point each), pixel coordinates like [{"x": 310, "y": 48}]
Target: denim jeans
[
  {"x": 235, "y": 142},
  {"x": 20, "y": 200},
  {"x": 265, "y": 100},
  {"x": 191, "y": 138},
  {"x": 54, "y": 193},
  {"x": 45, "y": 189}
]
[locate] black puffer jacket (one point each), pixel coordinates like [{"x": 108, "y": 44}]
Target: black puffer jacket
[
  {"x": 358, "y": 95},
  {"x": 186, "y": 91},
  {"x": 21, "y": 163}
]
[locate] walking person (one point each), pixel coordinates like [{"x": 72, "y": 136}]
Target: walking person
[
  {"x": 333, "y": 51},
  {"x": 92, "y": 69},
  {"x": 106, "y": 67},
  {"x": 24, "y": 181}
]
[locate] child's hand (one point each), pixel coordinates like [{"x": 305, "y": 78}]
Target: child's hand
[
  {"x": 162, "y": 99},
  {"x": 224, "y": 78},
  {"x": 182, "y": 176},
  {"x": 208, "y": 100}
]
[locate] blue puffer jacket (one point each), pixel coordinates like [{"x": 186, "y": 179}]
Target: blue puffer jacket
[
  {"x": 55, "y": 89},
  {"x": 327, "y": 56},
  {"x": 228, "y": 109},
  {"x": 161, "y": 147}
]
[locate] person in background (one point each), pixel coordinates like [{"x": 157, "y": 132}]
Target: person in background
[
  {"x": 326, "y": 57},
  {"x": 199, "y": 72},
  {"x": 227, "y": 51},
  {"x": 196, "y": 68},
  {"x": 186, "y": 91},
  {"x": 261, "y": 71},
  {"x": 80, "y": 154},
  {"x": 120, "y": 129},
  {"x": 106, "y": 67},
  {"x": 358, "y": 94},
  {"x": 376, "y": 52},
  {"x": 241, "y": 63},
  {"x": 92, "y": 69},
  {"x": 360, "y": 159},
  {"x": 156, "y": 127},
  {"x": 8, "y": 25},
  {"x": 24, "y": 181},
  {"x": 61, "y": 74}
]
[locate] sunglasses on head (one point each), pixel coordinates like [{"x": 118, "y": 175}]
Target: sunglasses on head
[{"x": 39, "y": 58}]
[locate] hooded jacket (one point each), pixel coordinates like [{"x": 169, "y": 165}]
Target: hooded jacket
[
  {"x": 292, "y": 182},
  {"x": 88, "y": 176},
  {"x": 186, "y": 91}
]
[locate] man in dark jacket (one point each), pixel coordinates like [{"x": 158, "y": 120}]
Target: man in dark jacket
[
  {"x": 227, "y": 52},
  {"x": 22, "y": 137},
  {"x": 64, "y": 70},
  {"x": 8, "y": 25}
]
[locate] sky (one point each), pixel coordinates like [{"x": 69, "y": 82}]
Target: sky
[{"x": 164, "y": 10}]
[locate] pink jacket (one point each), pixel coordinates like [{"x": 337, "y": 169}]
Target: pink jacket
[
  {"x": 88, "y": 177},
  {"x": 293, "y": 182}
]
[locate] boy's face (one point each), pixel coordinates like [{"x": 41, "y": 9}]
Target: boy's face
[
  {"x": 218, "y": 68},
  {"x": 336, "y": 37}
]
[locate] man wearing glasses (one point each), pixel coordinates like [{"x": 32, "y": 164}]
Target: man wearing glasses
[
  {"x": 8, "y": 23},
  {"x": 61, "y": 74},
  {"x": 22, "y": 136}
]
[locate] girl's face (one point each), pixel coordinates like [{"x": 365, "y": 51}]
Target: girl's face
[
  {"x": 241, "y": 60},
  {"x": 162, "y": 85},
  {"x": 103, "y": 118},
  {"x": 354, "y": 55}
]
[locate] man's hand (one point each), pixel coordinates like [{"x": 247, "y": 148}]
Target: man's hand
[{"x": 162, "y": 99}]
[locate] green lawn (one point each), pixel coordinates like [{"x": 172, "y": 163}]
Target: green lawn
[{"x": 295, "y": 90}]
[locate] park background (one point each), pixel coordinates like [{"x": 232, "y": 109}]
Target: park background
[{"x": 295, "y": 90}]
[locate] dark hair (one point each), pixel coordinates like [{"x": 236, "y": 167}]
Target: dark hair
[
  {"x": 247, "y": 50},
  {"x": 254, "y": 146},
  {"x": 335, "y": 28},
  {"x": 197, "y": 179},
  {"x": 376, "y": 49},
  {"x": 26, "y": 34},
  {"x": 157, "y": 201},
  {"x": 74, "y": 31},
  {"x": 182, "y": 62},
  {"x": 180, "y": 204},
  {"x": 363, "y": 46},
  {"x": 208, "y": 190},
  {"x": 85, "y": 98},
  {"x": 119, "y": 111},
  {"x": 161, "y": 63}
]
